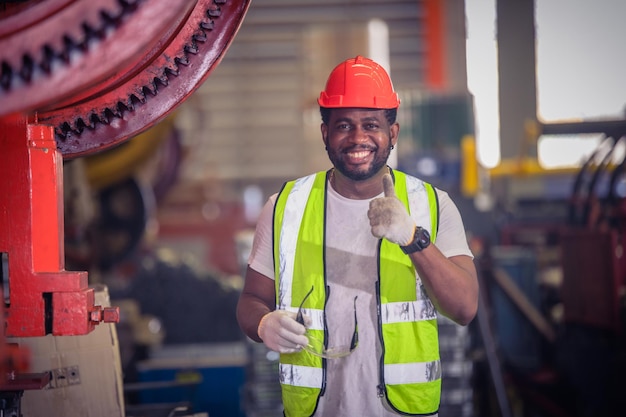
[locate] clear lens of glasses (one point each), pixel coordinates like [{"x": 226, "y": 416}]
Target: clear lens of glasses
[{"x": 316, "y": 347}]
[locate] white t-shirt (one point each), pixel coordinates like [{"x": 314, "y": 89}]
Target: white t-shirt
[{"x": 351, "y": 388}]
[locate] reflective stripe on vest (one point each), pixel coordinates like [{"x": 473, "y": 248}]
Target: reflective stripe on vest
[
  {"x": 301, "y": 376},
  {"x": 411, "y": 373},
  {"x": 299, "y": 252}
]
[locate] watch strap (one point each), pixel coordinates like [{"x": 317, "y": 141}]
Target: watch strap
[{"x": 421, "y": 240}]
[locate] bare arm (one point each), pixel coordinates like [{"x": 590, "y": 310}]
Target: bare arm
[
  {"x": 257, "y": 298},
  {"x": 451, "y": 283}
]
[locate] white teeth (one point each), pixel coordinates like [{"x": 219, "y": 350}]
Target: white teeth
[{"x": 361, "y": 154}]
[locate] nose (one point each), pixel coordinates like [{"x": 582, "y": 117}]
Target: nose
[{"x": 359, "y": 135}]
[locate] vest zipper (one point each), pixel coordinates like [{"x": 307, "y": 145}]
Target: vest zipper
[
  {"x": 380, "y": 388},
  {"x": 323, "y": 387},
  {"x": 326, "y": 286}
]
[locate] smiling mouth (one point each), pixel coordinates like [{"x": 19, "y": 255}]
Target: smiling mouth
[{"x": 359, "y": 154}]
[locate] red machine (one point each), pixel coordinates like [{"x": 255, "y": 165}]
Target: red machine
[{"x": 78, "y": 77}]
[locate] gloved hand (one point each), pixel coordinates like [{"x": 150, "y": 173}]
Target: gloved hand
[
  {"x": 389, "y": 218},
  {"x": 281, "y": 333}
]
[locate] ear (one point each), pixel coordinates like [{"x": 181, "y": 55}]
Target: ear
[
  {"x": 324, "y": 130},
  {"x": 394, "y": 130}
]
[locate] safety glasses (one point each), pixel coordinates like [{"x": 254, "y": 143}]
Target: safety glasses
[{"x": 316, "y": 346}]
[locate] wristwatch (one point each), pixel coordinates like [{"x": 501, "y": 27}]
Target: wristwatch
[{"x": 421, "y": 240}]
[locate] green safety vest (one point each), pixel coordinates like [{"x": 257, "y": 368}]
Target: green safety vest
[{"x": 411, "y": 377}]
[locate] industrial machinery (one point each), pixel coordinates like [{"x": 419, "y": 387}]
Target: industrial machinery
[
  {"x": 554, "y": 277},
  {"x": 78, "y": 77}
]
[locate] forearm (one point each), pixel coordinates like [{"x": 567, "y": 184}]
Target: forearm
[
  {"x": 451, "y": 284},
  {"x": 257, "y": 298},
  {"x": 250, "y": 310}
]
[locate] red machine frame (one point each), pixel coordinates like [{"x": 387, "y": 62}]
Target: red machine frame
[{"x": 32, "y": 239}]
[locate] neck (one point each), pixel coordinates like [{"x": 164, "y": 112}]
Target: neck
[{"x": 358, "y": 190}]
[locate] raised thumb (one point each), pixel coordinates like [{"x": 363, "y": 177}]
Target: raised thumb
[{"x": 388, "y": 187}]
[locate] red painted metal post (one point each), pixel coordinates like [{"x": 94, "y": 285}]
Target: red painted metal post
[
  {"x": 436, "y": 77},
  {"x": 41, "y": 297}
]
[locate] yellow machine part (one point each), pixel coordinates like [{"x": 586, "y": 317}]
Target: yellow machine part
[
  {"x": 523, "y": 166},
  {"x": 114, "y": 165},
  {"x": 469, "y": 166}
]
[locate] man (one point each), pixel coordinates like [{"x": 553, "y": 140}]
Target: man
[{"x": 348, "y": 267}]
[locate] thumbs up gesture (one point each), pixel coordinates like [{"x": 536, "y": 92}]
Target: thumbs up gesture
[{"x": 389, "y": 218}]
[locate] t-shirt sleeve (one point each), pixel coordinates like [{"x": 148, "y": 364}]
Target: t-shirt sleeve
[
  {"x": 451, "y": 239},
  {"x": 261, "y": 257}
]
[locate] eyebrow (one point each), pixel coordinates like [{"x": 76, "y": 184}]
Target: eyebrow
[{"x": 365, "y": 119}]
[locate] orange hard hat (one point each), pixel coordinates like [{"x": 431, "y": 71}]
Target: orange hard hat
[{"x": 359, "y": 82}]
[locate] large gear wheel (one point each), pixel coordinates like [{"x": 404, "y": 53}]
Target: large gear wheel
[{"x": 103, "y": 71}]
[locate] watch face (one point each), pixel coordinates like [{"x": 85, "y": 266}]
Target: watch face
[
  {"x": 424, "y": 238},
  {"x": 420, "y": 241}
]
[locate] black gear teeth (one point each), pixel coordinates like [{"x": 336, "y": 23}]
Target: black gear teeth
[
  {"x": 214, "y": 12},
  {"x": 135, "y": 99},
  {"x": 80, "y": 125},
  {"x": 46, "y": 62},
  {"x": 207, "y": 25},
  {"x": 6, "y": 73},
  {"x": 162, "y": 80},
  {"x": 43, "y": 61},
  {"x": 183, "y": 59},
  {"x": 170, "y": 70},
  {"x": 92, "y": 32},
  {"x": 107, "y": 115},
  {"x": 26, "y": 72},
  {"x": 192, "y": 49},
  {"x": 141, "y": 96},
  {"x": 150, "y": 89},
  {"x": 199, "y": 36},
  {"x": 70, "y": 47}
]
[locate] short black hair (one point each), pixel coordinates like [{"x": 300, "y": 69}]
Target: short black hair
[{"x": 390, "y": 115}]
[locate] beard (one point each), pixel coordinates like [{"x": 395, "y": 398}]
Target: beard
[{"x": 381, "y": 155}]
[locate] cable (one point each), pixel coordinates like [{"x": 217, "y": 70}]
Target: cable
[
  {"x": 574, "y": 204},
  {"x": 591, "y": 189}
]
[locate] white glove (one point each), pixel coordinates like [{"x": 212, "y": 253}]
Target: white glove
[
  {"x": 281, "y": 333},
  {"x": 389, "y": 218}
]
